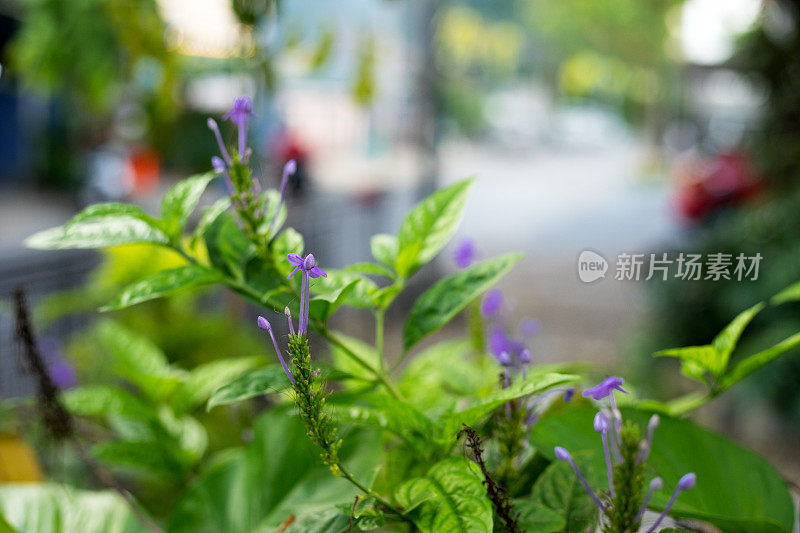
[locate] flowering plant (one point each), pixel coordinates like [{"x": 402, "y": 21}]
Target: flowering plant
[{"x": 466, "y": 435}]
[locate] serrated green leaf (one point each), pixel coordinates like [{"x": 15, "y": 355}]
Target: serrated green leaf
[
  {"x": 450, "y": 497},
  {"x": 445, "y": 299},
  {"x": 726, "y": 472},
  {"x": 429, "y": 226},
  {"x": 96, "y": 233},
  {"x": 697, "y": 360},
  {"x": 266, "y": 380},
  {"x": 384, "y": 249},
  {"x": 180, "y": 200},
  {"x": 163, "y": 284},
  {"x": 59, "y": 508},
  {"x": 558, "y": 489}
]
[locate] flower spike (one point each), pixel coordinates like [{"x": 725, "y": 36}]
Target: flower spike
[
  {"x": 564, "y": 455},
  {"x": 263, "y": 323},
  {"x": 685, "y": 483}
]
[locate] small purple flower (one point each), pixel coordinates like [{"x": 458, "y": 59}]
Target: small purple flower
[
  {"x": 289, "y": 318},
  {"x": 499, "y": 342},
  {"x": 655, "y": 484},
  {"x": 568, "y": 394},
  {"x": 212, "y": 125},
  {"x": 685, "y": 483},
  {"x": 601, "y": 426},
  {"x": 288, "y": 170},
  {"x": 263, "y": 323},
  {"x": 606, "y": 388},
  {"x": 465, "y": 253},
  {"x": 242, "y": 109},
  {"x": 525, "y": 358},
  {"x": 58, "y": 368},
  {"x": 564, "y": 455},
  {"x": 528, "y": 327},
  {"x": 491, "y": 303},
  {"x": 644, "y": 453},
  {"x": 308, "y": 267},
  {"x": 219, "y": 167}
]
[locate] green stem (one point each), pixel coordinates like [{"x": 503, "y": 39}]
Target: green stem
[
  {"x": 349, "y": 477},
  {"x": 380, "y": 315}
]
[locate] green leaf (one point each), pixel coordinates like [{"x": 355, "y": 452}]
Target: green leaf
[
  {"x": 96, "y": 233},
  {"x": 210, "y": 214},
  {"x": 384, "y": 249},
  {"x": 148, "y": 456},
  {"x": 277, "y": 475},
  {"x": 204, "y": 380},
  {"x": 789, "y": 294},
  {"x": 324, "y": 305},
  {"x": 713, "y": 358},
  {"x": 559, "y": 490},
  {"x": 445, "y": 299},
  {"x": 138, "y": 360},
  {"x": 256, "y": 383},
  {"x": 450, "y": 497},
  {"x": 451, "y": 423},
  {"x": 343, "y": 360},
  {"x": 429, "y": 226},
  {"x": 105, "y": 401},
  {"x": 696, "y": 360},
  {"x": 383, "y": 298},
  {"x": 360, "y": 295},
  {"x": 756, "y": 361},
  {"x": 114, "y": 210},
  {"x": 726, "y": 472},
  {"x": 163, "y": 284},
  {"x": 58, "y": 508},
  {"x": 270, "y": 200},
  {"x": 725, "y": 342},
  {"x": 534, "y": 516},
  {"x": 370, "y": 268},
  {"x": 179, "y": 202},
  {"x": 325, "y": 521},
  {"x": 288, "y": 242},
  {"x": 228, "y": 248}
]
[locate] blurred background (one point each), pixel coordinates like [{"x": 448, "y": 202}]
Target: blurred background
[{"x": 629, "y": 126}]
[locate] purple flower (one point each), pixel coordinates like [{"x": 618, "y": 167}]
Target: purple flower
[
  {"x": 263, "y": 323},
  {"x": 58, "y": 368},
  {"x": 219, "y": 167},
  {"x": 644, "y": 453},
  {"x": 499, "y": 342},
  {"x": 568, "y": 394},
  {"x": 528, "y": 327},
  {"x": 288, "y": 170},
  {"x": 491, "y": 303},
  {"x": 465, "y": 253},
  {"x": 242, "y": 109},
  {"x": 212, "y": 125},
  {"x": 685, "y": 483},
  {"x": 564, "y": 455},
  {"x": 606, "y": 388},
  {"x": 655, "y": 485},
  {"x": 601, "y": 426},
  {"x": 308, "y": 266}
]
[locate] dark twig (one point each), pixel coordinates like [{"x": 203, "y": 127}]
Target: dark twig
[
  {"x": 352, "y": 514},
  {"x": 58, "y": 421},
  {"x": 497, "y": 494}
]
